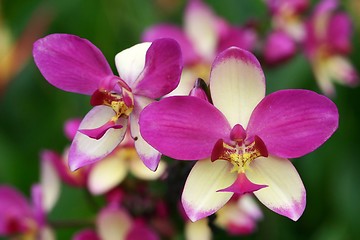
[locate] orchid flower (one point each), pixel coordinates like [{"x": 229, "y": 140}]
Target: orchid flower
[
  {"x": 147, "y": 71},
  {"x": 203, "y": 35},
  {"x": 244, "y": 140},
  {"x": 286, "y": 17},
  {"x": 100, "y": 177},
  {"x": 288, "y": 29},
  {"x": 327, "y": 43},
  {"x": 19, "y": 217}
]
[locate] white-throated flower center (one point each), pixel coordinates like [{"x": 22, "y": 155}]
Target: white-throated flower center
[{"x": 122, "y": 105}]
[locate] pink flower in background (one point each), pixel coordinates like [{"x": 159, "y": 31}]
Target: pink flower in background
[
  {"x": 286, "y": 17},
  {"x": 203, "y": 35},
  {"x": 243, "y": 141},
  {"x": 288, "y": 29},
  {"x": 328, "y": 41},
  {"x": 147, "y": 71},
  {"x": 26, "y": 220},
  {"x": 239, "y": 216}
]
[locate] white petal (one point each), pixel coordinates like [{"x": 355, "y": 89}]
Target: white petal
[
  {"x": 131, "y": 62},
  {"x": 50, "y": 184},
  {"x": 200, "y": 26},
  {"x": 85, "y": 150},
  {"x": 237, "y": 84},
  {"x": 285, "y": 193},
  {"x": 107, "y": 173},
  {"x": 200, "y": 197},
  {"x": 149, "y": 155},
  {"x": 187, "y": 80},
  {"x": 198, "y": 230},
  {"x": 140, "y": 171},
  {"x": 113, "y": 224}
]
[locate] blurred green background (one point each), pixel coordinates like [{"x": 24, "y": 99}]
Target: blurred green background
[{"x": 33, "y": 112}]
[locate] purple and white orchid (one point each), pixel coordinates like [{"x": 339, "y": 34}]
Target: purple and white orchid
[
  {"x": 328, "y": 41},
  {"x": 288, "y": 29},
  {"x": 244, "y": 140},
  {"x": 203, "y": 36},
  {"x": 147, "y": 71}
]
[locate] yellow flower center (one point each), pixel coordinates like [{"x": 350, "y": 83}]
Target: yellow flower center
[
  {"x": 239, "y": 155},
  {"x": 122, "y": 104}
]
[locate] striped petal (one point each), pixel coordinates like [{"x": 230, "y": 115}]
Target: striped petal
[
  {"x": 183, "y": 127},
  {"x": 85, "y": 150},
  {"x": 107, "y": 173},
  {"x": 201, "y": 197},
  {"x": 237, "y": 84},
  {"x": 71, "y": 63},
  {"x": 285, "y": 193}
]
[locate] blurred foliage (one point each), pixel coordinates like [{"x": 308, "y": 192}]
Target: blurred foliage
[{"x": 33, "y": 112}]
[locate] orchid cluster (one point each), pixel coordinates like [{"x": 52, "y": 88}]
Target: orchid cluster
[{"x": 188, "y": 106}]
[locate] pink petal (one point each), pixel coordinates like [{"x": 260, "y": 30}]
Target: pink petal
[
  {"x": 15, "y": 211},
  {"x": 70, "y": 127},
  {"x": 140, "y": 231},
  {"x": 244, "y": 38},
  {"x": 285, "y": 193},
  {"x": 293, "y": 123},
  {"x": 97, "y": 133},
  {"x": 149, "y": 155},
  {"x": 183, "y": 127},
  {"x": 85, "y": 150},
  {"x": 201, "y": 197},
  {"x": 279, "y": 47},
  {"x": 339, "y": 33},
  {"x": 86, "y": 234},
  {"x": 237, "y": 84},
  {"x": 163, "y": 65},
  {"x": 38, "y": 199},
  {"x": 169, "y": 31},
  {"x": 71, "y": 63}
]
